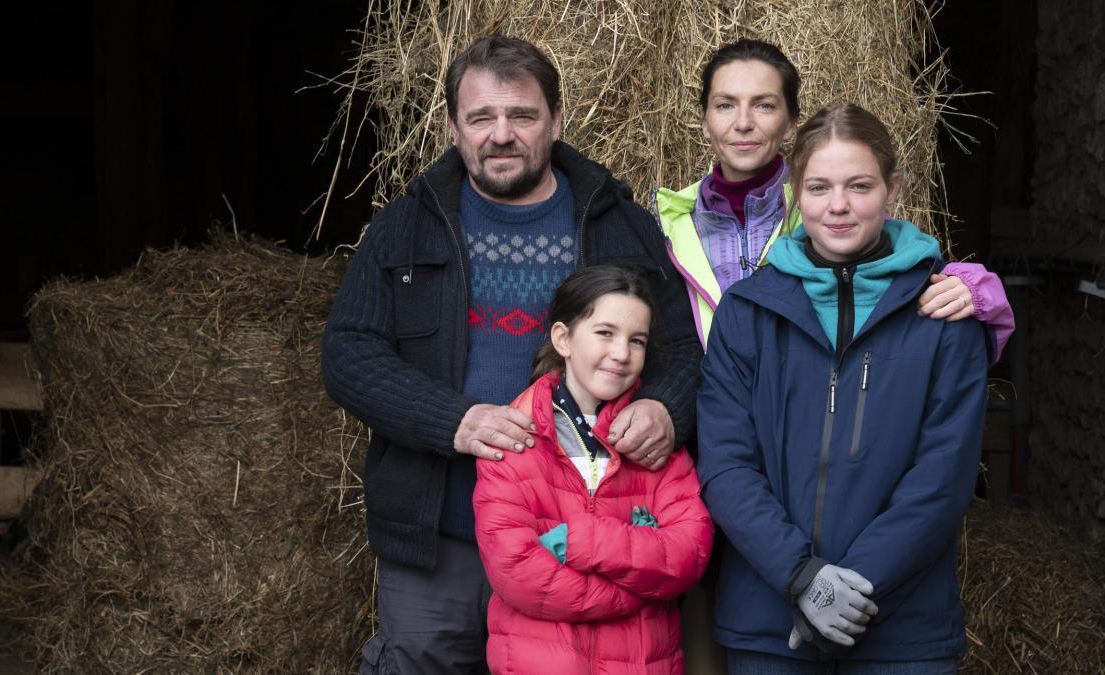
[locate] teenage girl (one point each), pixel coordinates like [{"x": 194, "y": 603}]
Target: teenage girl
[
  {"x": 840, "y": 431},
  {"x": 586, "y": 554}
]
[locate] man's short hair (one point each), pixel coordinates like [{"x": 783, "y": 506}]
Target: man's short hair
[{"x": 509, "y": 59}]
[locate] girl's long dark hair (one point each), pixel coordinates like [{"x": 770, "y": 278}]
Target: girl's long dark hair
[{"x": 575, "y": 300}]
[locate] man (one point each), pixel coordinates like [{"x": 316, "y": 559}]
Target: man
[{"x": 436, "y": 325}]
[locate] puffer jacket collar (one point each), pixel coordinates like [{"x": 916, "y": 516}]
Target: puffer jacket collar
[{"x": 543, "y": 415}]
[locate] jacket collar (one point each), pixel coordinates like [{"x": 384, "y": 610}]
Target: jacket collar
[
  {"x": 783, "y": 294},
  {"x": 543, "y": 415}
]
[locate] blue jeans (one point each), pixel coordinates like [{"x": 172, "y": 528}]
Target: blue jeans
[{"x": 757, "y": 663}]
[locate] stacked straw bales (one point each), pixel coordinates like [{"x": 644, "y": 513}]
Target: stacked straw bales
[
  {"x": 194, "y": 510},
  {"x": 631, "y": 70}
]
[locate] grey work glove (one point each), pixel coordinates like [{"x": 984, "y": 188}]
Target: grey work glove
[
  {"x": 836, "y": 605},
  {"x": 798, "y": 635}
]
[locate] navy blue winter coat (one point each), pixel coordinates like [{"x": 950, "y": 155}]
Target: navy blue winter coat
[{"x": 867, "y": 462}]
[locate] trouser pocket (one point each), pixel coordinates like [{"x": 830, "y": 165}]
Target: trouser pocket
[{"x": 376, "y": 660}]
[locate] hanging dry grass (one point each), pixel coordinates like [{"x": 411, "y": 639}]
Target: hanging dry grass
[
  {"x": 630, "y": 77},
  {"x": 198, "y": 510}
]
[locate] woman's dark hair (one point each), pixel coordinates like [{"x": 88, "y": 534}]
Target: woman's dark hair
[
  {"x": 755, "y": 50},
  {"x": 575, "y": 300},
  {"x": 510, "y": 60}
]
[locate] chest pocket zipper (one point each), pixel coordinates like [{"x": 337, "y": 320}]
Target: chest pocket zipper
[{"x": 861, "y": 403}]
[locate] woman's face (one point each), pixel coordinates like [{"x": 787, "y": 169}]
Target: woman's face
[
  {"x": 746, "y": 117},
  {"x": 843, "y": 199}
]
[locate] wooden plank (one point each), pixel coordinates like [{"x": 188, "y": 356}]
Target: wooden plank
[
  {"x": 18, "y": 388},
  {"x": 16, "y": 485}
]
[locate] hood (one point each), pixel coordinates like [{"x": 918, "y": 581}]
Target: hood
[
  {"x": 870, "y": 281},
  {"x": 911, "y": 247}
]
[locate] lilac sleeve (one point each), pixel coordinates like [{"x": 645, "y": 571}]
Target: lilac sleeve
[{"x": 991, "y": 306}]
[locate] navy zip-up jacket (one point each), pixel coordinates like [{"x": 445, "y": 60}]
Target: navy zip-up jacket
[{"x": 867, "y": 461}]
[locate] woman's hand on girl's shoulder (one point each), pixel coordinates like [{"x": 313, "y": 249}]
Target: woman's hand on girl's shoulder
[{"x": 948, "y": 298}]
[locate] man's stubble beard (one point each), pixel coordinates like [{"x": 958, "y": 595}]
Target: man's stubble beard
[{"x": 521, "y": 184}]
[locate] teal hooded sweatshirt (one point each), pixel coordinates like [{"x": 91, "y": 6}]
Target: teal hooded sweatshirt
[{"x": 870, "y": 280}]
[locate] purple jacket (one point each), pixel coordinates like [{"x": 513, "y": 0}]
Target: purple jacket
[
  {"x": 735, "y": 251},
  {"x": 991, "y": 306}
]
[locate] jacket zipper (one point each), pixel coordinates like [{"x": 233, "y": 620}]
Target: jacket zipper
[
  {"x": 611, "y": 468},
  {"x": 579, "y": 230},
  {"x": 846, "y": 311},
  {"x": 823, "y": 460},
  {"x": 592, "y": 464},
  {"x": 857, "y": 430},
  {"x": 845, "y": 326}
]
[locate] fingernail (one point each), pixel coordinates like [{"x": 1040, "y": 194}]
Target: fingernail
[
  {"x": 498, "y": 455},
  {"x": 532, "y": 427},
  {"x": 529, "y": 442},
  {"x": 518, "y": 447}
]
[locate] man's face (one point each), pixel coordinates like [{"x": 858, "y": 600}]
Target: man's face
[{"x": 504, "y": 131}]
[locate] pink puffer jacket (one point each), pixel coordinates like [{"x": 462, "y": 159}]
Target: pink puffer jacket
[{"x": 611, "y": 608}]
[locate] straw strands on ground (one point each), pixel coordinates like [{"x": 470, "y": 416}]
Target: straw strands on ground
[
  {"x": 630, "y": 77},
  {"x": 1034, "y": 591},
  {"x": 198, "y": 510}
]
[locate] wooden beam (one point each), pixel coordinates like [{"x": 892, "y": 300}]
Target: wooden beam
[
  {"x": 16, "y": 485},
  {"x": 18, "y": 386}
]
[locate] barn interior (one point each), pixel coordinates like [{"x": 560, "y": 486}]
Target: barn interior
[{"x": 147, "y": 125}]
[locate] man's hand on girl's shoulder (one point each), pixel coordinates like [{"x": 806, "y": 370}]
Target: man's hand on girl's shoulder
[{"x": 486, "y": 428}]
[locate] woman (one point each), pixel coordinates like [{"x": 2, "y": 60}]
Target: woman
[
  {"x": 840, "y": 430},
  {"x": 720, "y": 229}
]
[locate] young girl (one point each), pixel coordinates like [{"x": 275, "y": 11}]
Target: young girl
[
  {"x": 839, "y": 430},
  {"x": 586, "y": 553}
]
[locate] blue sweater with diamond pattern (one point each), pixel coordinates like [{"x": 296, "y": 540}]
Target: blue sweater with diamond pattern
[{"x": 518, "y": 256}]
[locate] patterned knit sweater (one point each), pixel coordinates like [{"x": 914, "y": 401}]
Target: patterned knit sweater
[{"x": 518, "y": 256}]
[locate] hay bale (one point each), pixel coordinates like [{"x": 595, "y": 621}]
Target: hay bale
[
  {"x": 630, "y": 74},
  {"x": 1032, "y": 588},
  {"x": 197, "y": 509}
]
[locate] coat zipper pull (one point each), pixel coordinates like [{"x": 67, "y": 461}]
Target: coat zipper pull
[
  {"x": 844, "y": 274},
  {"x": 832, "y": 393},
  {"x": 866, "y": 368}
]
